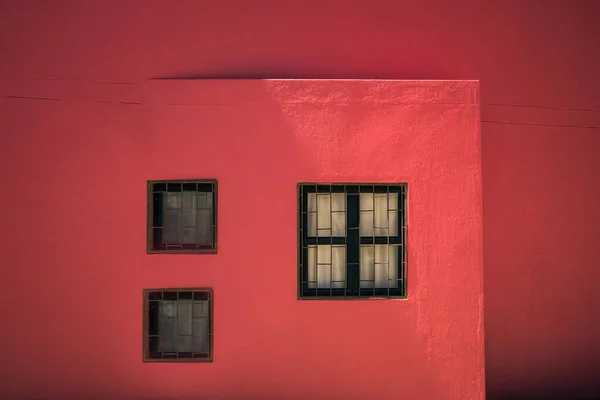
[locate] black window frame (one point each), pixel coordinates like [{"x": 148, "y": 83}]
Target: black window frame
[
  {"x": 153, "y": 356},
  {"x": 153, "y": 245},
  {"x": 352, "y": 241}
]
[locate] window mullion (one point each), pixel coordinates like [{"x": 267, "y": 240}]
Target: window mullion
[{"x": 352, "y": 244}]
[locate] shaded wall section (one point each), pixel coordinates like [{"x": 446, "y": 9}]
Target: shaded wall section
[
  {"x": 540, "y": 230},
  {"x": 537, "y": 65}
]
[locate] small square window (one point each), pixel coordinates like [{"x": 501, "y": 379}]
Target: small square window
[
  {"x": 352, "y": 240},
  {"x": 182, "y": 216},
  {"x": 178, "y": 325}
]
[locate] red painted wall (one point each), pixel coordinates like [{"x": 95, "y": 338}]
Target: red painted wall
[
  {"x": 540, "y": 96},
  {"x": 85, "y": 190}
]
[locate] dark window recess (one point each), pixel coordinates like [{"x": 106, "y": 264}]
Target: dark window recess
[
  {"x": 182, "y": 216},
  {"x": 351, "y": 240},
  {"x": 178, "y": 325}
]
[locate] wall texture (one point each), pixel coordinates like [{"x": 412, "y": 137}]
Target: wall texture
[
  {"x": 259, "y": 139},
  {"x": 63, "y": 125}
]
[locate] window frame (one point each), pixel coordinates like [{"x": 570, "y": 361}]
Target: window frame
[
  {"x": 402, "y": 233},
  {"x": 150, "y": 217},
  {"x": 146, "y": 326}
]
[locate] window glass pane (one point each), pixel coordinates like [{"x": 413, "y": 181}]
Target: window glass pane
[
  {"x": 205, "y": 227},
  {"x": 312, "y": 202},
  {"x": 188, "y": 211},
  {"x": 172, "y": 201},
  {"x": 170, "y": 226},
  {"x": 167, "y": 326},
  {"x": 338, "y": 260},
  {"x": 381, "y": 214},
  {"x": 366, "y": 201},
  {"x": 168, "y": 333},
  {"x": 381, "y": 253},
  {"x": 320, "y": 214},
  {"x": 200, "y": 339},
  {"x": 181, "y": 224},
  {"x": 338, "y": 202},
  {"x": 188, "y": 236},
  {"x": 179, "y": 218},
  {"x": 200, "y": 200},
  {"x": 184, "y": 318},
  {"x": 379, "y": 266},
  {"x": 324, "y": 254},
  {"x": 324, "y": 263},
  {"x": 324, "y": 266},
  {"x": 338, "y": 220},
  {"x": 199, "y": 345},
  {"x": 204, "y": 200},
  {"x": 201, "y": 327},
  {"x": 200, "y": 308},
  {"x": 386, "y": 266},
  {"x": 324, "y": 214},
  {"x": 393, "y": 221},
  {"x": 376, "y": 222},
  {"x": 324, "y": 275},
  {"x": 366, "y": 223},
  {"x": 367, "y": 266},
  {"x": 393, "y": 201},
  {"x": 168, "y": 309},
  {"x": 200, "y": 331}
]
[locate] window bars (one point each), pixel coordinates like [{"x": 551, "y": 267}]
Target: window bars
[
  {"x": 182, "y": 216},
  {"x": 178, "y": 325},
  {"x": 352, "y": 240}
]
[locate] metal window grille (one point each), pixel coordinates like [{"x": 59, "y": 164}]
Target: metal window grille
[
  {"x": 182, "y": 216},
  {"x": 352, "y": 240},
  {"x": 178, "y": 325}
]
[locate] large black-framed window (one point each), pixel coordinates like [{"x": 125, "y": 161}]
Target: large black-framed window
[
  {"x": 178, "y": 325},
  {"x": 182, "y": 216},
  {"x": 352, "y": 240}
]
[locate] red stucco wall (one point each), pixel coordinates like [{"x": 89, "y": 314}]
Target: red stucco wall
[
  {"x": 259, "y": 139},
  {"x": 540, "y": 97}
]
